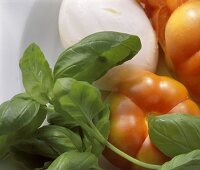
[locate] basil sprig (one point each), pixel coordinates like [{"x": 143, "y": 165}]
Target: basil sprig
[
  {"x": 78, "y": 118},
  {"x": 22, "y": 142},
  {"x": 82, "y": 103},
  {"x": 36, "y": 74}
]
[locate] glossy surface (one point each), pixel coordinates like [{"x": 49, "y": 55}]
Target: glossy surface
[
  {"x": 183, "y": 45},
  {"x": 138, "y": 97},
  {"x": 177, "y": 24}
]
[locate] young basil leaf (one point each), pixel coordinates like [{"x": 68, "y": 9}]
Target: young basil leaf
[
  {"x": 79, "y": 100},
  {"x": 75, "y": 161},
  {"x": 189, "y": 161},
  {"x": 61, "y": 119},
  {"x": 82, "y": 103},
  {"x": 36, "y": 74},
  {"x": 102, "y": 123},
  {"x": 175, "y": 134},
  {"x": 51, "y": 141},
  {"x": 20, "y": 115},
  {"x": 93, "y": 56}
]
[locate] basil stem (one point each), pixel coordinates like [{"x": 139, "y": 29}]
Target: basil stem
[{"x": 124, "y": 155}]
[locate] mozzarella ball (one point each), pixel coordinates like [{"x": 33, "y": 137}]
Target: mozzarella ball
[{"x": 80, "y": 18}]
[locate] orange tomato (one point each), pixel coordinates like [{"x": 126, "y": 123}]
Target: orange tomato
[
  {"x": 159, "y": 12},
  {"x": 183, "y": 45},
  {"x": 138, "y": 97},
  {"x": 177, "y": 23}
]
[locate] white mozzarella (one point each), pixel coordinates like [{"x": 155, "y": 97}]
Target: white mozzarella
[{"x": 80, "y": 18}]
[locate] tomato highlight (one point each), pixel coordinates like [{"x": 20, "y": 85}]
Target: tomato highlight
[{"x": 137, "y": 98}]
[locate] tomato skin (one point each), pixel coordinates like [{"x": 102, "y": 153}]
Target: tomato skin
[
  {"x": 177, "y": 23},
  {"x": 182, "y": 32},
  {"x": 173, "y": 4},
  {"x": 183, "y": 45},
  {"x": 138, "y": 97},
  {"x": 150, "y": 153},
  {"x": 154, "y": 93},
  {"x": 159, "y": 12},
  {"x": 186, "y": 107},
  {"x": 125, "y": 118}
]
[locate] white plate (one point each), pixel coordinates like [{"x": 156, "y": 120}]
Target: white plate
[{"x": 21, "y": 23}]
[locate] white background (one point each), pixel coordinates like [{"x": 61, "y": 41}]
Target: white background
[{"x": 23, "y": 22}]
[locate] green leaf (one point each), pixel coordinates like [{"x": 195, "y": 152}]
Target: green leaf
[
  {"x": 175, "y": 134},
  {"x": 4, "y": 147},
  {"x": 8, "y": 165},
  {"x": 75, "y": 161},
  {"x": 189, "y": 161},
  {"x": 102, "y": 123},
  {"x": 36, "y": 74},
  {"x": 82, "y": 103},
  {"x": 65, "y": 120},
  {"x": 51, "y": 141},
  {"x": 93, "y": 56},
  {"x": 26, "y": 161},
  {"x": 60, "y": 138},
  {"x": 35, "y": 146},
  {"x": 20, "y": 115},
  {"x": 46, "y": 165},
  {"x": 79, "y": 100}
]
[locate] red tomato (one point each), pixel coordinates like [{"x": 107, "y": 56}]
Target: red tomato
[{"x": 137, "y": 98}]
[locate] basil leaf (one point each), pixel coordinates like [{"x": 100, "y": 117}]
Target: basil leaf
[
  {"x": 189, "y": 161},
  {"x": 102, "y": 123},
  {"x": 36, "y": 74},
  {"x": 61, "y": 119},
  {"x": 90, "y": 143},
  {"x": 46, "y": 165},
  {"x": 79, "y": 100},
  {"x": 75, "y": 161},
  {"x": 51, "y": 141},
  {"x": 8, "y": 165},
  {"x": 4, "y": 147},
  {"x": 60, "y": 138},
  {"x": 82, "y": 103},
  {"x": 20, "y": 115},
  {"x": 93, "y": 56},
  {"x": 27, "y": 161},
  {"x": 175, "y": 134},
  {"x": 35, "y": 146}
]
